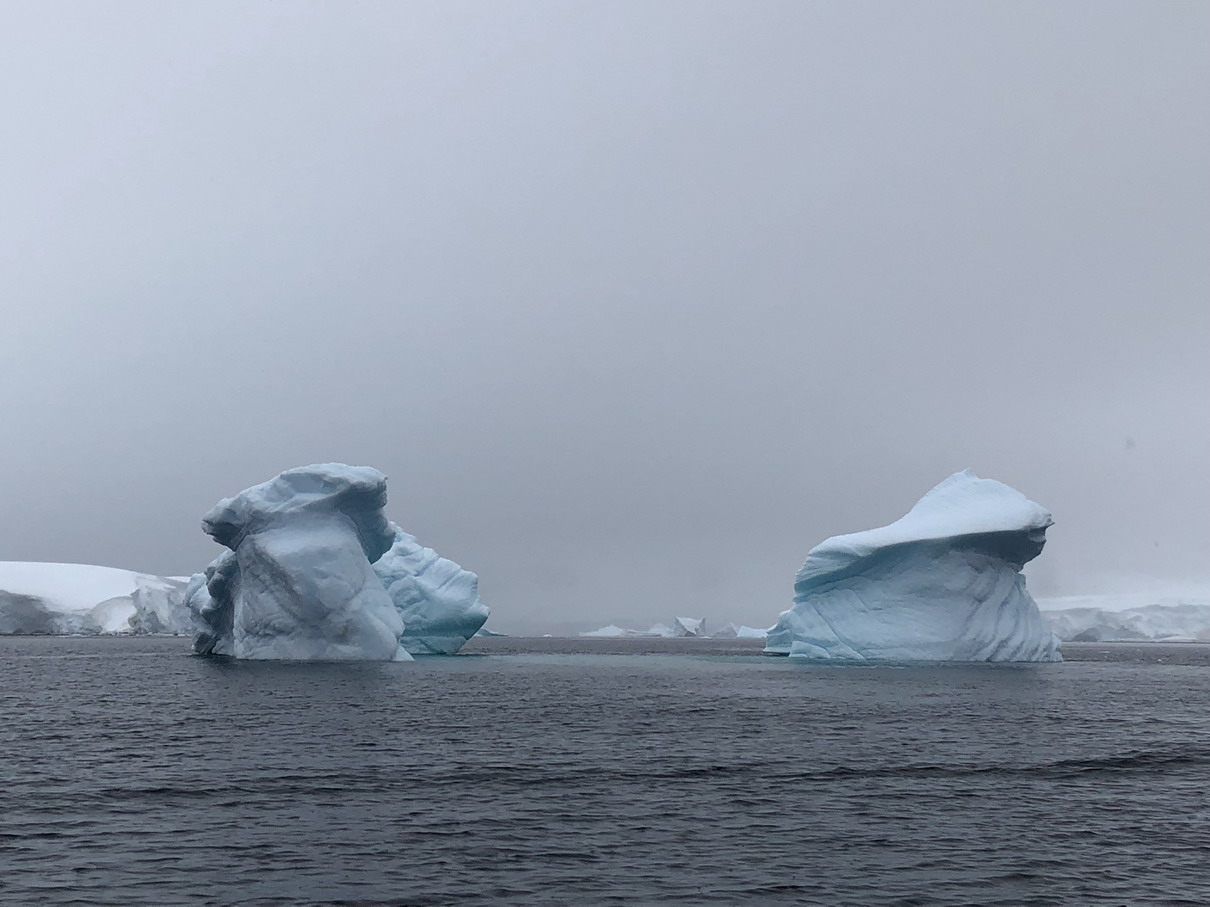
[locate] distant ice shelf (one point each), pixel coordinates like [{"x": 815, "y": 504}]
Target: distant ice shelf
[
  {"x": 680, "y": 628},
  {"x": 83, "y": 599}
]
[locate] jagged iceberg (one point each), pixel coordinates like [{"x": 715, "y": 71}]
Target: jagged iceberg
[
  {"x": 437, "y": 599},
  {"x": 943, "y": 583},
  {"x": 74, "y": 599},
  {"x": 298, "y": 581}
]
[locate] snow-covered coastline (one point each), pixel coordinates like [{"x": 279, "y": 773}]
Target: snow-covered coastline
[{"x": 84, "y": 599}]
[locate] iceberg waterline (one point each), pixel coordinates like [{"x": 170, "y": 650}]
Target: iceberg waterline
[{"x": 943, "y": 583}]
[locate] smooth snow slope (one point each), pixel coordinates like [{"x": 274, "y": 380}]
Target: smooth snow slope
[{"x": 943, "y": 583}]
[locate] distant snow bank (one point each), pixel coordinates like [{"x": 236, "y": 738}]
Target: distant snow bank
[
  {"x": 1124, "y": 618},
  {"x": 67, "y": 599}
]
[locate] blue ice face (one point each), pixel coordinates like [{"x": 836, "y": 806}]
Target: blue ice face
[
  {"x": 941, "y": 584},
  {"x": 437, "y": 599}
]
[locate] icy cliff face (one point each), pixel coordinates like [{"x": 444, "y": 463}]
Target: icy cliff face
[
  {"x": 159, "y": 607},
  {"x": 943, "y": 583},
  {"x": 437, "y": 599},
  {"x": 60, "y": 599},
  {"x": 298, "y": 583}
]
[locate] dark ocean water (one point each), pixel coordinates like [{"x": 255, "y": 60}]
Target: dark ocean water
[{"x": 601, "y": 772}]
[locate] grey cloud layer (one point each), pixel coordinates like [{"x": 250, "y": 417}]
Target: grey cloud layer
[{"x": 633, "y": 302}]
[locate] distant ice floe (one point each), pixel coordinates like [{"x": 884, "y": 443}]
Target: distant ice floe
[
  {"x": 82, "y": 599},
  {"x": 943, "y": 583},
  {"x": 681, "y": 628}
]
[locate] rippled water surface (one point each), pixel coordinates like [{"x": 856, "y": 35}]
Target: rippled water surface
[{"x": 601, "y": 772}]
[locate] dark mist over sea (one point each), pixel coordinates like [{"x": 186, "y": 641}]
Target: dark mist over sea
[{"x": 601, "y": 772}]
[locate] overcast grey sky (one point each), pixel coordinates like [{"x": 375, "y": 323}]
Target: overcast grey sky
[{"x": 634, "y": 302}]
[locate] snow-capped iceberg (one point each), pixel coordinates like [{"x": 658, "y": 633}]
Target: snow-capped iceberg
[
  {"x": 437, "y": 599},
  {"x": 62, "y": 599},
  {"x": 298, "y": 583},
  {"x": 943, "y": 583}
]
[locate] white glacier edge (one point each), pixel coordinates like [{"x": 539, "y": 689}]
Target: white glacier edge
[{"x": 82, "y": 599}]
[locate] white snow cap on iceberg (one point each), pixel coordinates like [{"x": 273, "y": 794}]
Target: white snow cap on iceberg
[
  {"x": 59, "y": 599},
  {"x": 437, "y": 599},
  {"x": 943, "y": 583},
  {"x": 962, "y": 505},
  {"x": 297, "y": 582}
]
